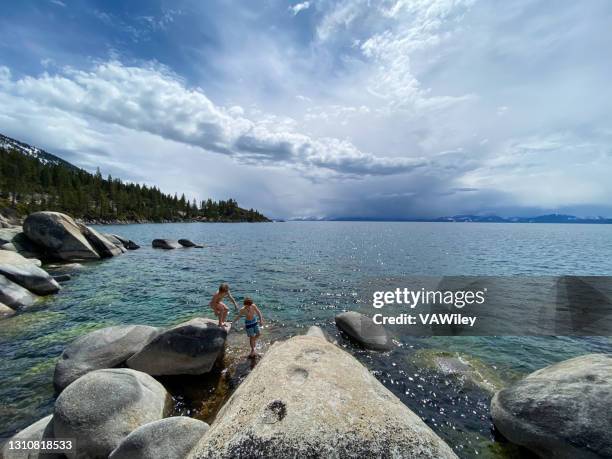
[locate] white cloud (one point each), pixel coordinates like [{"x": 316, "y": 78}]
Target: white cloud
[
  {"x": 154, "y": 100},
  {"x": 295, "y": 9}
]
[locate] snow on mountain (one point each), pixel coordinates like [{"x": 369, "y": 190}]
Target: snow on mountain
[{"x": 43, "y": 156}]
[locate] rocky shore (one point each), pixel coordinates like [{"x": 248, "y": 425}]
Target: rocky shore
[
  {"x": 46, "y": 237},
  {"x": 307, "y": 397}
]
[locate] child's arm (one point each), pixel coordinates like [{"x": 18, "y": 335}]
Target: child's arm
[
  {"x": 232, "y": 298},
  {"x": 238, "y": 314},
  {"x": 258, "y": 312}
]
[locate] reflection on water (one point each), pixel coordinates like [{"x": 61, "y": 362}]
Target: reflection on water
[{"x": 302, "y": 274}]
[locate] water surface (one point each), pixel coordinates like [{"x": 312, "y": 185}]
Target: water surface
[{"x": 303, "y": 273}]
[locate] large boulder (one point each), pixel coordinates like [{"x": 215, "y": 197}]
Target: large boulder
[
  {"x": 105, "y": 348},
  {"x": 363, "y": 330},
  {"x": 165, "y": 244},
  {"x": 14, "y": 295},
  {"x": 190, "y": 348},
  {"x": 60, "y": 235},
  {"x": 170, "y": 438},
  {"x": 40, "y": 430},
  {"x": 560, "y": 411},
  {"x": 25, "y": 273},
  {"x": 103, "y": 246},
  {"x": 101, "y": 408},
  {"x": 309, "y": 398},
  {"x": 5, "y": 311}
]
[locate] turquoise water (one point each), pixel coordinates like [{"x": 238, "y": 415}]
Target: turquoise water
[{"x": 303, "y": 274}]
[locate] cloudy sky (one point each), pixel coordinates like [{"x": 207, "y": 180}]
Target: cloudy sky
[{"x": 403, "y": 108}]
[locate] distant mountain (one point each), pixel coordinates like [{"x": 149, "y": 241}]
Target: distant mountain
[
  {"x": 28, "y": 150},
  {"x": 550, "y": 218},
  {"x": 32, "y": 179}
]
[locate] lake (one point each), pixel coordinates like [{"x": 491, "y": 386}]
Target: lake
[{"x": 304, "y": 273}]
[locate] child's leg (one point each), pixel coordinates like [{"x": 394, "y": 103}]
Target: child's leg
[
  {"x": 253, "y": 342},
  {"x": 224, "y": 312},
  {"x": 219, "y": 314}
]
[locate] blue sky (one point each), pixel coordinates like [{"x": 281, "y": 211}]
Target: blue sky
[{"x": 324, "y": 108}]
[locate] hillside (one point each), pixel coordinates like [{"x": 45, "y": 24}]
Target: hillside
[{"x": 32, "y": 179}]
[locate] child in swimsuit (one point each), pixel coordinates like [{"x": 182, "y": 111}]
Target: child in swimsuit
[
  {"x": 249, "y": 311},
  {"x": 219, "y": 308}
]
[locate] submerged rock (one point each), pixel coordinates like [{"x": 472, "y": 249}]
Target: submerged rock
[
  {"x": 5, "y": 311},
  {"x": 40, "y": 430},
  {"x": 361, "y": 329},
  {"x": 464, "y": 369},
  {"x": 190, "y": 348},
  {"x": 309, "y": 398},
  {"x": 560, "y": 411},
  {"x": 101, "y": 408},
  {"x": 14, "y": 295},
  {"x": 103, "y": 246},
  {"x": 60, "y": 235},
  {"x": 25, "y": 273},
  {"x": 170, "y": 438},
  {"x": 104, "y": 348},
  {"x": 165, "y": 244}
]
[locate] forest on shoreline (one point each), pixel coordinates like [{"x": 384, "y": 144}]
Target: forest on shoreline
[{"x": 29, "y": 184}]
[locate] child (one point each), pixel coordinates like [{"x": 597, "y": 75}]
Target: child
[
  {"x": 249, "y": 311},
  {"x": 218, "y": 306}
]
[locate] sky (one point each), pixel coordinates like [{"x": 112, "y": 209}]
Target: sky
[{"x": 386, "y": 109}]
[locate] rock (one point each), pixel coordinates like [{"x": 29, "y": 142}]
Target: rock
[
  {"x": 460, "y": 368},
  {"x": 5, "y": 311},
  {"x": 25, "y": 273},
  {"x": 62, "y": 277},
  {"x": 103, "y": 246},
  {"x": 560, "y": 411},
  {"x": 104, "y": 348},
  {"x": 8, "y": 234},
  {"x": 190, "y": 348},
  {"x": 131, "y": 245},
  {"x": 318, "y": 332},
  {"x": 309, "y": 398},
  {"x": 14, "y": 295},
  {"x": 166, "y": 244},
  {"x": 35, "y": 261},
  {"x": 361, "y": 329},
  {"x": 15, "y": 240},
  {"x": 186, "y": 243},
  {"x": 121, "y": 239},
  {"x": 101, "y": 408},
  {"x": 128, "y": 244},
  {"x": 40, "y": 430},
  {"x": 114, "y": 239},
  {"x": 170, "y": 438},
  {"x": 60, "y": 235}
]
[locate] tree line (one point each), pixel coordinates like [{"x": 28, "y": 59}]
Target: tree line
[{"x": 28, "y": 185}]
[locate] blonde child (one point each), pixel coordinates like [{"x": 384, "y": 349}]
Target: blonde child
[{"x": 218, "y": 306}]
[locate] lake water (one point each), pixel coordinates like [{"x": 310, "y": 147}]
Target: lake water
[{"x": 304, "y": 273}]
